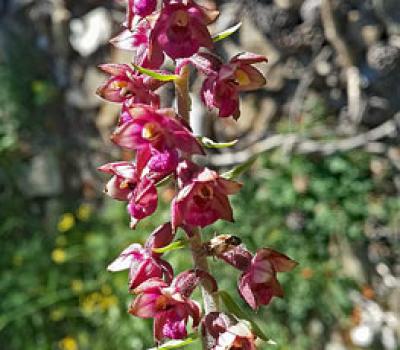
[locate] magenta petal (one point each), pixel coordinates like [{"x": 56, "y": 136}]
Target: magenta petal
[
  {"x": 126, "y": 258},
  {"x": 164, "y": 162},
  {"x": 194, "y": 311},
  {"x": 144, "y": 201},
  {"x": 246, "y": 292},
  {"x": 239, "y": 257},
  {"x": 144, "y": 8},
  {"x": 115, "y": 190},
  {"x": 169, "y": 324},
  {"x": 144, "y": 305},
  {"x": 280, "y": 262},
  {"x": 176, "y": 214},
  {"x": 152, "y": 285},
  {"x": 144, "y": 271},
  {"x": 248, "y": 58}
]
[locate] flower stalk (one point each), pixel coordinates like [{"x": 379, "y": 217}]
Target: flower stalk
[
  {"x": 210, "y": 300},
  {"x": 164, "y": 147}
]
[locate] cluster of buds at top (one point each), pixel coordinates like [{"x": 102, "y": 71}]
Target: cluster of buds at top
[{"x": 164, "y": 147}]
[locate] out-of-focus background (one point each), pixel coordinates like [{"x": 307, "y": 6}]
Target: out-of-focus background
[{"x": 325, "y": 189}]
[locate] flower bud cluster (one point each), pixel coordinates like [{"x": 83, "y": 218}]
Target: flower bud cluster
[{"x": 164, "y": 146}]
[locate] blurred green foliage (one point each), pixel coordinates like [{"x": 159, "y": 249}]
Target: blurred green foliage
[{"x": 57, "y": 294}]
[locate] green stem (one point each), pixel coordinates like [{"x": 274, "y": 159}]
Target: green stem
[{"x": 210, "y": 299}]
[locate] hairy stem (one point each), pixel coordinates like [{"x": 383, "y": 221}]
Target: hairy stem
[{"x": 210, "y": 300}]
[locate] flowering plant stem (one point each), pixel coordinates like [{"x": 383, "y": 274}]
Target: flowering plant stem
[
  {"x": 165, "y": 147},
  {"x": 210, "y": 299}
]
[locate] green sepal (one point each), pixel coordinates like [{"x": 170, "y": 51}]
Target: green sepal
[
  {"x": 226, "y": 33},
  {"x": 156, "y": 75},
  {"x": 178, "y": 244},
  {"x": 208, "y": 143},
  {"x": 238, "y": 170}
]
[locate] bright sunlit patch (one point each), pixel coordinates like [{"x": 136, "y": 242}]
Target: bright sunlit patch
[
  {"x": 68, "y": 343},
  {"x": 84, "y": 212},
  {"x": 58, "y": 256},
  {"x": 66, "y": 222}
]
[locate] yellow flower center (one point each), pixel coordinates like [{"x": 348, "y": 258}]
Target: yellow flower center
[
  {"x": 161, "y": 302},
  {"x": 119, "y": 84},
  {"x": 241, "y": 77},
  {"x": 181, "y": 18},
  {"x": 150, "y": 131}
]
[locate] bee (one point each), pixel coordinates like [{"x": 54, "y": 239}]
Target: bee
[{"x": 221, "y": 244}]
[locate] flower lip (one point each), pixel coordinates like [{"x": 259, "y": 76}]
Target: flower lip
[
  {"x": 180, "y": 18},
  {"x": 206, "y": 191},
  {"x": 150, "y": 131},
  {"x": 241, "y": 77}
]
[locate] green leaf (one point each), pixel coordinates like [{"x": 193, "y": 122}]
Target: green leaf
[
  {"x": 176, "y": 344},
  {"x": 164, "y": 181},
  {"x": 156, "y": 75},
  {"x": 179, "y": 244},
  {"x": 208, "y": 143},
  {"x": 238, "y": 170},
  {"x": 226, "y": 33},
  {"x": 236, "y": 310}
]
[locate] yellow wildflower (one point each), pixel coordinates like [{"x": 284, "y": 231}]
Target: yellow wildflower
[
  {"x": 77, "y": 286},
  {"x": 84, "y": 211},
  {"x": 66, "y": 222},
  {"x": 58, "y": 256},
  {"x": 68, "y": 343}
]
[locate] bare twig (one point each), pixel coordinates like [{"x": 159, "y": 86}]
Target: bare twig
[
  {"x": 301, "y": 145},
  {"x": 333, "y": 35}
]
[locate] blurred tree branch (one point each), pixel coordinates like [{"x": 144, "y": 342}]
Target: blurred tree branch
[{"x": 301, "y": 145}]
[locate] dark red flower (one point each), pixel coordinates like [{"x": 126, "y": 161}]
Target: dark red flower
[
  {"x": 128, "y": 87},
  {"x": 228, "y": 334},
  {"x": 258, "y": 284},
  {"x": 142, "y": 262},
  {"x": 169, "y": 305},
  {"x": 221, "y": 88},
  {"x": 204, "y": 200},
  {"x": 181, "y": 28}
]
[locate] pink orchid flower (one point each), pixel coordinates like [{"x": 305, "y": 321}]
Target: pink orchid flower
[
  {"x": 204, "y": 200},
  {"x": 228, "y": 334},
  {"x": 146, "y": 53},
  {"x": 142, "y": 262},
  {"x": 128, "y": 184},
  {"x": 221, "y": 88},
  {"x": 141, "y": 8},
  {"x": 181, "y": 28},
  {"x": 169, "y": 305},
  {"x": 127, "y": 86},
  {"x": 159, "y": 129},
  {"x": 123, "y": 181},
  {"x": 258, "y": 284},
  {"x": 143, "y": 201}
]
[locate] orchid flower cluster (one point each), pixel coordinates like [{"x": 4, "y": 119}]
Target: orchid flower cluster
[{"x": 165, "y": 147}]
